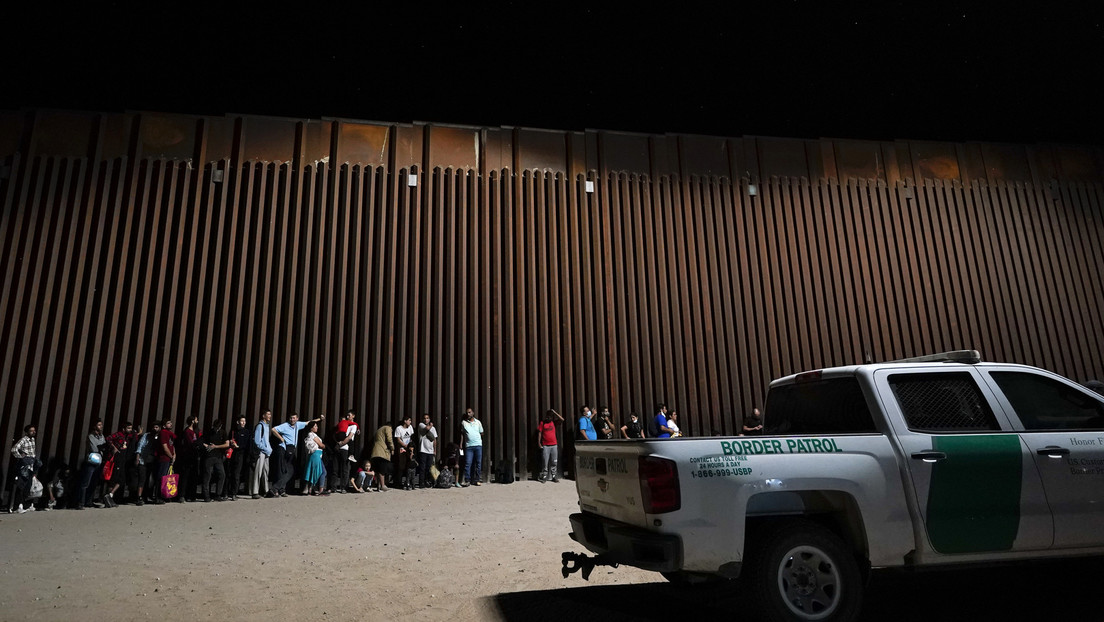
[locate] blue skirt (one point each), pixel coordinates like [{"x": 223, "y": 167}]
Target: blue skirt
[{"x": 315, "y": 470}]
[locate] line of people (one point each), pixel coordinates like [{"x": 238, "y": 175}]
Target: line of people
[{"x": 159, "y": 465}]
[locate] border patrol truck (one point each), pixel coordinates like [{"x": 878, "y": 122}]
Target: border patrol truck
[{"x": 936, "y": 460}]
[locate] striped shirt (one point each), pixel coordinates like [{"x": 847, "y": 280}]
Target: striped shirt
[{"x": 25, "y": 448}]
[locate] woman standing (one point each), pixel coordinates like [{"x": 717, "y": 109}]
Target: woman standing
[
  {"x": 672, "y": 424},
  {"x": 632, "y": 429},
  {"x": 314, "y": 476}
]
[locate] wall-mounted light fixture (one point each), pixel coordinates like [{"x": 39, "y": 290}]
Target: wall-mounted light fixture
[
  {"x": 412, "y": 180},
  {"x": 753, "y": 190},
  {"x": 216, "y": 175},
  {"x": 589, "y": 185}
]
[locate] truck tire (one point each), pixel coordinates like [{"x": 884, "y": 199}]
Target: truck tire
[{"x": 802, "y": 571}]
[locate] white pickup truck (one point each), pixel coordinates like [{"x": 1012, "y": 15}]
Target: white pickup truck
[{"x": 933, "y": 461}]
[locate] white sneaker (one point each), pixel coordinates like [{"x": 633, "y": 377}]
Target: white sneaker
[
  {"x": 21, "y": 510},
  {"x": 31, "y": 508}
]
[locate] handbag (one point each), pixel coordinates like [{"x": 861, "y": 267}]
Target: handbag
[
  {"x": 109, "y": 468},
  {"x": 170, "y": 484}
]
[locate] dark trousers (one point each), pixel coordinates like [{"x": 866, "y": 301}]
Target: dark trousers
[
  {"x": 186, "y": 467},
  {"x": 425, "y": 462},
  {"x": 214, "y": 465},
  {"x": 283, "y": 468},
  {"x": 341, "y": 463},
  {"x": 234, "y": 468},
  {"x": 90, "y": 477}
]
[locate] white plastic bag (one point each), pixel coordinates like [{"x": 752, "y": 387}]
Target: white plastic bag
[{"x": 36, "y": 489}]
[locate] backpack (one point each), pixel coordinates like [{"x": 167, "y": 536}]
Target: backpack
[
  {"x": 444, "y": 479},
  {"x": 505, "y": 474},
  {"x": 653, "y": 427}
]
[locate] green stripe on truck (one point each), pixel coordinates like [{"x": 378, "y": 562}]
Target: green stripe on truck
[{"x": 974, "y": 497}]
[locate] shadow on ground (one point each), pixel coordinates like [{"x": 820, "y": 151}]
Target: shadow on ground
[{"x": 1055, "y": 590}]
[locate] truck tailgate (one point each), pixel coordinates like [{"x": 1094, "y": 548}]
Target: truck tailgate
[{"x": 607, "y": 480}]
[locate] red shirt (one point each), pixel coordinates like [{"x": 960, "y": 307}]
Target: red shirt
[
  {"x": 343, "y": 429},
  {"x": 547, "y": 433},
  {"x": 166, "y": 438}
]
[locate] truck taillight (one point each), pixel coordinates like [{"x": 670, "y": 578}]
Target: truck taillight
[{"x": 659, "y": 485}]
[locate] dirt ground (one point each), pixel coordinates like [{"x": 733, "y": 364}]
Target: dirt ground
[
  {"x": 425, "y": 555},
  {"x": 486, "y": 553}
]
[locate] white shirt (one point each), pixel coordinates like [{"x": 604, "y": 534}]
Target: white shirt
[
  {"x": 311, "y": 443},
  {"x": 674, "y": 428},
  {"x": 404, "y": 434},
  {"x": 428, "y": 435}
]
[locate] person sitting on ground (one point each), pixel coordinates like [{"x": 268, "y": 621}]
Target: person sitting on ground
[
  {"x": 632, "y": 429},
  {"x": 314, "y": 476},
  {"x": 361, "y": 481}
]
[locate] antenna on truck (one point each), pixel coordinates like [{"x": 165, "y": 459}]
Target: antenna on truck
[{"x": 955, "y": 356}]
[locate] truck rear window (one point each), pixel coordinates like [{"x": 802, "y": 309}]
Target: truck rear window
[{"x": 833, "y": 406}]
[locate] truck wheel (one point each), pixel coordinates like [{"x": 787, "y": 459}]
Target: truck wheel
[{"x": 803, "y": 571}]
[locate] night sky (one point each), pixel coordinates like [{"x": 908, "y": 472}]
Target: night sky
[{"x": 793, "y": 69}]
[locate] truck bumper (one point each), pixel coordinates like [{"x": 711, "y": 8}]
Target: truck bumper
[{"x": 623, "y": 544}]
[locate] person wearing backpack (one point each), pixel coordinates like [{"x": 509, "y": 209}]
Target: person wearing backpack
[{"x": 262, "y": 451}]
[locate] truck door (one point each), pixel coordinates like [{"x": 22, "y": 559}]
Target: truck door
[
  {"x": 1062, "y": 425},
  {"x": 976, "y": 486}
]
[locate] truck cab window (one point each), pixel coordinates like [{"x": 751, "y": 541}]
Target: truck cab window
[
  {"x": 832, "y": 406},
  {"x": 942, "y": 402},
  {"x": 1043, "y": 403}
]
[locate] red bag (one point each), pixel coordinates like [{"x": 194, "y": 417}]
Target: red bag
[
  {"x": 170, "y": 484},
  {"x": 109, "y": 469}
]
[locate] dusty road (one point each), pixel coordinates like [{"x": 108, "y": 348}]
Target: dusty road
[{"x": 487, "y": 553}]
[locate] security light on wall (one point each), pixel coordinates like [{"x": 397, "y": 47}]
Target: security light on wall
[
  {"x": 216, "y": 175},
  {"x": 412, "y": 180},
  {"x": 589, "y": 186},
  {"x": 753, "y": 190}
]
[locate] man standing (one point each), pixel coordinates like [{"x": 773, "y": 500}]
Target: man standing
[
  {"x": 550, "y": 450},
  {"x": 25, "y": 452},
  {"x": 472, "y": 430},
  {"x": 215, "y": 445},
  {"x": 118, "y": 444},
  {"x": 241, "y": 441},
  {"x": 605, "y": 424},
  {"x": 586, "y": 425},
  {"x": 661, "y": 429},
  {"x": 344, "y": 435},
  {"x": 144, "y": 459},
  {"x": 753, "y": 425},
  {"x": 166, "y": 455},
  {"x": 284, "y": 452},
  {"x": 427, "y": 451},
  {"x": 262, "y": 449},
  {"x": 404, "y": 434}
]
